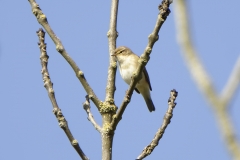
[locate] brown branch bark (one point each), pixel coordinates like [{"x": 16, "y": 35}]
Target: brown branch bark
[
  {"x": 164, "y": 11},
  {"x": 42, "y": 19},
  {"x": 203, "y": 80},
  {"x": 166, "y": 120},
  {"x": 49, "y": 87}
]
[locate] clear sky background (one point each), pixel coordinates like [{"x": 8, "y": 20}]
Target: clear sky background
[{"x": 29, "y": 130}]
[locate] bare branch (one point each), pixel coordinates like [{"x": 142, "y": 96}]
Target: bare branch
[
  {"x": 108, "y": 108},
  {"x": 86, "y": 106},
  {"x": 167, "y": 119},
  {"x": 42, "y": 19},
  {"x": 232, "y": 85},
  {"x": 112, "y": 36},
  {"x": 194, "y": 64},
  {"x": 49, "y": 87},
  {"x": 164, "y": 11},
  {"x": 203, "y": 81}
]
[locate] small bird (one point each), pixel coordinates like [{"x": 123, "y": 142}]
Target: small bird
[{"x": 128, "y": 63}]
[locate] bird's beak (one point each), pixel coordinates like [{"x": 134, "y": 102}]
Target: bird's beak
[{"x": 114, "y": 55}]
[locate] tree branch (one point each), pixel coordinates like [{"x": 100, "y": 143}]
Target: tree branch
[
  {"x": 112, "y": 36},
  {"x": 232, "y": 85},
  {"x": 42, "y": 19},
  {"x": 108, "y": 108},
  {"x": 203, "y": 81},
  {"x": 164, "y": 11},
  {"x": 194, "y": 64},
  {"x": 86, "y": 106},
  {"x": 49, "y": 87},
  {"x": 167, "y": 119}
]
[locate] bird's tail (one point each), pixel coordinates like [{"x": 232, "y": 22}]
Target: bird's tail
[{"x": 150, "y": 104}]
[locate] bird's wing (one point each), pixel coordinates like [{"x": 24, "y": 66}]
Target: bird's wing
[{"x": 147, "y": 77}]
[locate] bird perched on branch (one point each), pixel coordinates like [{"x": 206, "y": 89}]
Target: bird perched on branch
[{"x": 128, "y": 63}]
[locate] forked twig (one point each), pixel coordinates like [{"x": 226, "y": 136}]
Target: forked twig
[
  {"x": 42, "y": 19},
  {"x": 204, "y": 82},
  {"x": 164, "y": 11}
]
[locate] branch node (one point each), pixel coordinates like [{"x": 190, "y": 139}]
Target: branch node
[
  {"x": 143, "y": 60},
  {"x": 74, "y": 142},
  {"x": 114, "y": 64},
  {"x": 164, "y": 8},
  {"x": 81, "y": 74},
  {"x": 35, "y": 12},
  {"x": 51, "y": 91},
  {"x": 106, "y": 107},
  {"x": 62, "y": 125},
  {"x": 149, "y": 50},
  {"x": 55, "y": 111},
  {"x": 108, "y": 34},
  {"x": 43, "y": 17},
  {"x": 59, "y": 48},
  {"x": 174, "y": 93},
  {"x": 90, "y": 96},
  {"x": 126, "y": 99},
  {"x": 110, "y": 101},
  {"x": 152, "y": 38}
]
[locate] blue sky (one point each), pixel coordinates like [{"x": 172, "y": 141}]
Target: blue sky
[{"x": 30, "y": 130}]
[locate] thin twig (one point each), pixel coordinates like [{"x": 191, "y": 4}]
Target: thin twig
[
  {"x": 166, "y": 120},
  {"x": 86, "y": 106},
  {"x": 164, "y": 11},
  {"x": 42, "y": 19},
  {"x": 203, "y": 80},
  {"x": 49, "y": 87},
  {"x": 112, "y": 37},
  {"x": 232, "y": 85}
]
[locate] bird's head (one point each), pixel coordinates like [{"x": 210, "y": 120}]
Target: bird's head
[{"x": 121, "y": 51}]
